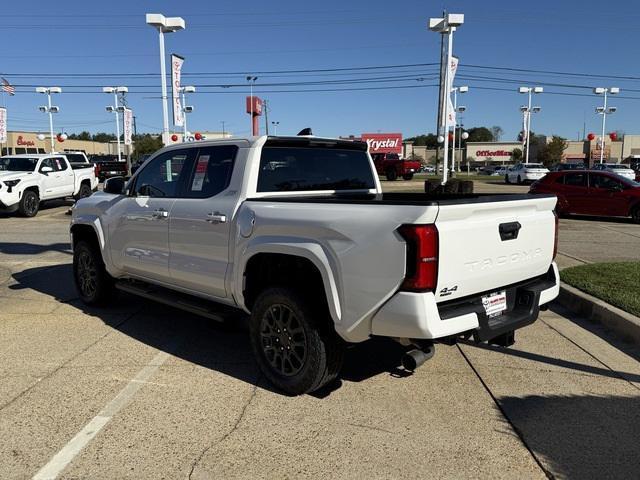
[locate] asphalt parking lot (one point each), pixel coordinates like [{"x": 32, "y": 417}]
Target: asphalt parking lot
[{"x": 143, "y": 391}]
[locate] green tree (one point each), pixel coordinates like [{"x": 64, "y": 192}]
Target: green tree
[
  {"x": 497, "y": 132},
  {"x": 146, "y": 143},
  {"x": 552, "y": 152},
  {"x": 479, "y": 134},
  {"x": 104, "y": 137},
  {"x": 516, "y": 155},
  {"x": 430, "y": 140}
]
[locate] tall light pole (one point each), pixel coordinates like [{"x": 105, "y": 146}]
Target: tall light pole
[
  {"x": 116, "y": 109},
  {"x": 252, "y": 80},
  {"x": 164, "y": 25},
  {"x": 604, "y": 111},
  {"x": 446, "y": 26},
  {"x": 528, "y": 110},
  {"x": 455, "y": 90},
  {"x": 50, "y": 109},
  {"x": 275, "y": 127},
  {"x": 186, "y": 109}
]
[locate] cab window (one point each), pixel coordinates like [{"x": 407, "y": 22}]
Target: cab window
[
  {"x": 47, "y": 162},
  {"x": 162, "y": 176},
  {"x": 575, "y": 179},
  {"x": 59, "y": 164}
]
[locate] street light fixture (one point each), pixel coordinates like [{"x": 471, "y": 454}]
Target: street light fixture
[
  {"x": 164, "y": 25},
  {"x": 455, "y": 90},
  {"x": 527, "y": 110},
  {"x": 50, "y": 109},
  {"x": 115, "y": 109},
  {"x": 186, "y": 108},
  {"x": 275, "y": 127},
  {"x": 604, "y": 111},
  {"x": 446, "y": 26}
]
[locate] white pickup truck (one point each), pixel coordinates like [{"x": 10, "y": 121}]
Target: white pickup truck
[
  {"x": 296, "y": 232},
  {"x": 27, "y": 180}
]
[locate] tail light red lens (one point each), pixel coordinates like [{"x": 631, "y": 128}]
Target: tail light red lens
[
  {"x": 422, "y": 257},
  {"x": 555, "y": 240}
]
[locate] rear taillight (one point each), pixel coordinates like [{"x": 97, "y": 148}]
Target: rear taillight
[
  {"x": 96, "y": 169},
  {"x": 422, "y": 257},
  {"x": 555, "y": 240}
]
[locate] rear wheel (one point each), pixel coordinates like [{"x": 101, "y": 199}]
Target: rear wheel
[
  {"x": 519, "y": 180},
  {"x": 407, "y": 176},
  {"x": 293, "y": 341},
  {"x": 635, "y": 214},
  {"x": 392, "y": 175},
  {"x": 506, "y": 179},
  {"x": 29, "y": 204},
  {"x": 85, "y": 191},
  {"x": 94, "y": 285}
]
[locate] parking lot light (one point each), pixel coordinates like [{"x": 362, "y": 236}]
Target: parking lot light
[
  {"x": 186, "y": 108},
  {"x": 50, "y": 109},
  {"x": 604, "y": 111},
  {"x": 164, "y": 25},
  {"x": 116, "y": 109},
  {"x": 527, "y": 110}
]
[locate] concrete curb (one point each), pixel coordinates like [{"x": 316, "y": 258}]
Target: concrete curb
[{"x": 596, "y": 310}]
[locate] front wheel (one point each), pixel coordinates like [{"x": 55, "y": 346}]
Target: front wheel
[
  {"x": 635, "y": 214},
  {"x": 29, "y": 204},
  {"x": 407, "y": 176},
  {"x": 294, "y": 342},
  {"x": 94, "y": 285},
  {"x": 506, "y": 179},
  {"x": 392, "y": 175}
]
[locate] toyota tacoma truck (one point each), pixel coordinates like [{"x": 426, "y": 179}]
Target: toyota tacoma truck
[
  {"x": 27, "y": 180},
  {"x": 297, "y": 233}
]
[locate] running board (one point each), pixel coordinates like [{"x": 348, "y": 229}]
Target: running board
[{"x": 205, "y": 308}]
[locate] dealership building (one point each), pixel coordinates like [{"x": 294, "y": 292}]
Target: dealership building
[{"x": 28, "y": 142}]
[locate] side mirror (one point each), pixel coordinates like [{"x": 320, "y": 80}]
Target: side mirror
[
  {"x": 46, "y": 170},
  {"x": 114, "y": 185}
]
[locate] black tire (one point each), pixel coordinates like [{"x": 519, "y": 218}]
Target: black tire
[
  {"x": 506, "y": 179},
  {"x": 519, "y": 180},
  {"x": 407, "y": 176},
  {"x": 635, "y": 214},
  {"x": 392, "y": 175},
  {"x": 94, "y": 285},
  {"x": 29, "y": 204},
  {"x": 85, "y": 191},
  {"x": 310, "y": 357}
]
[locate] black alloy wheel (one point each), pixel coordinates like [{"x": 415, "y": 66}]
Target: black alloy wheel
[{"x": 283, "y": 340}]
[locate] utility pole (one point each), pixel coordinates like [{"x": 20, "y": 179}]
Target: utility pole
[{"x": 265, "y": 105}]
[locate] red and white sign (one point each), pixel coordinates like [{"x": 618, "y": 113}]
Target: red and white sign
[
  {"x": 254, "y": 105},
  {"x": 26, "y": 143},
  {"x": 176, "y": 69},
  {"x": 493, "y": 153},
  {"x": 383, "y": 142},
  {"x": 3, "y": 125},
  {"x": 128, "y": 125}
]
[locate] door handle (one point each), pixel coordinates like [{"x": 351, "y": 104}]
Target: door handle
[
  {"x": 216, "y": 217},
  {"x": 160, "y": 213}
]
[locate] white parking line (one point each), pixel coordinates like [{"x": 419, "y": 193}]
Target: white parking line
[{"x": 65, "y": 456}]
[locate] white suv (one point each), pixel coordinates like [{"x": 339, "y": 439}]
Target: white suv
[{"x": 525, "y": 172}]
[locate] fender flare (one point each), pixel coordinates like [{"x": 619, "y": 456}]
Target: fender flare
[
  {"x": 92, "y": 221},
  {"x": 312, "y": 251}
]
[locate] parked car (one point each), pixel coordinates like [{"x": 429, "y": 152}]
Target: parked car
[
  {"x": 525, "y": 172},
  {"x": 560, "y": 167},
  {"x": 28, "y": 179},
  {"x": 428, "y": 169},
  {"x": 392, "y": 166},
  {"x": 107, "y": 166},
  {"x": 488, "y": 170},
  {"x": 617, "y": 168},
  {"x": 297, "y": 232},
  {"x": 500, "y": 171},
  {"x": 588, "y": 192}
]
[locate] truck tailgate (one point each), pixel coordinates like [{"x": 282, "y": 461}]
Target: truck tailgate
[{"x": 488, "y": 245}]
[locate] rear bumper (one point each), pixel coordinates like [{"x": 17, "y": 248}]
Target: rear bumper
[{"x": 417, "y": 315}]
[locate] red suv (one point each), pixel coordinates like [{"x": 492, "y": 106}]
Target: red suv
[
  {"x": 586, "y": 192},
  {"x": 392, "y": 166}
]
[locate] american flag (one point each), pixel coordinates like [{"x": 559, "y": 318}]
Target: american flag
[{"x": 7, "y": 87}]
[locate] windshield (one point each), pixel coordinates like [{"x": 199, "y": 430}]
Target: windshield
[{"x": 18, "y": 164}]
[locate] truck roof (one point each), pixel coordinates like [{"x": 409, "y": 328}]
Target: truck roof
[
  {"x": 281, "y": 140},
  {"x": 33, "y": 155}
]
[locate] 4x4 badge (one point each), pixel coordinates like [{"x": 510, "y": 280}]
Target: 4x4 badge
[{"x": 448, "y": 291}]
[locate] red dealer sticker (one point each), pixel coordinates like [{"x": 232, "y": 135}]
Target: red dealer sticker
[{"x": 383, "y": 142}]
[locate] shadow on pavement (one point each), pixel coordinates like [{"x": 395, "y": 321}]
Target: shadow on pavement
[
  {"x": 21, "y": 248},
  {"x": 590, "y": 218},
  {"x": 580, "y": 436},
  {"x": 44, "y": 206},
  {"x": 221, "y": 347}
]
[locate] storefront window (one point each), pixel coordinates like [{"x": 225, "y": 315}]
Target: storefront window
[{"x": 20, "y": 150}]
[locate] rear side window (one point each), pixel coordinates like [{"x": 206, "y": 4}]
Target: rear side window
[
  {"x": 212, "y": 171},
  {"x": 285, "y": 169},
  {"x": 575, "y": 179},
  {"x": 603, "y": 181}
]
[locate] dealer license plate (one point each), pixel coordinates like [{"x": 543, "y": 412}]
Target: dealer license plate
[{"x": 495, "y": 303}]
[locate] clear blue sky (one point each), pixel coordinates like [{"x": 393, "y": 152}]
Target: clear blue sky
[{"x": 245, "y": 37}]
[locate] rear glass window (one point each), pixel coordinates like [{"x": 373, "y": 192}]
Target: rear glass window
[
  {"x": 285, "y": 169},
  {"x": 212, "y": 172},
  {"x": 576, "y": 179}
]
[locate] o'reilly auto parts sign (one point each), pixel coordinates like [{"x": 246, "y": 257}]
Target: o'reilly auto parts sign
[{"x": 383, "y": 142}]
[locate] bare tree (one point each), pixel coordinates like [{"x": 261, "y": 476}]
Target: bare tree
[{"x": 496, "y": 132}]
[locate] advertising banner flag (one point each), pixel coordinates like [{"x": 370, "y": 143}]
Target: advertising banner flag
[
  {"x": 3, "y": 125},
  {"x": 451, "y": 117},
  {"x": 128, "y": 125},
  {"x": 176, "y": 70}
]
